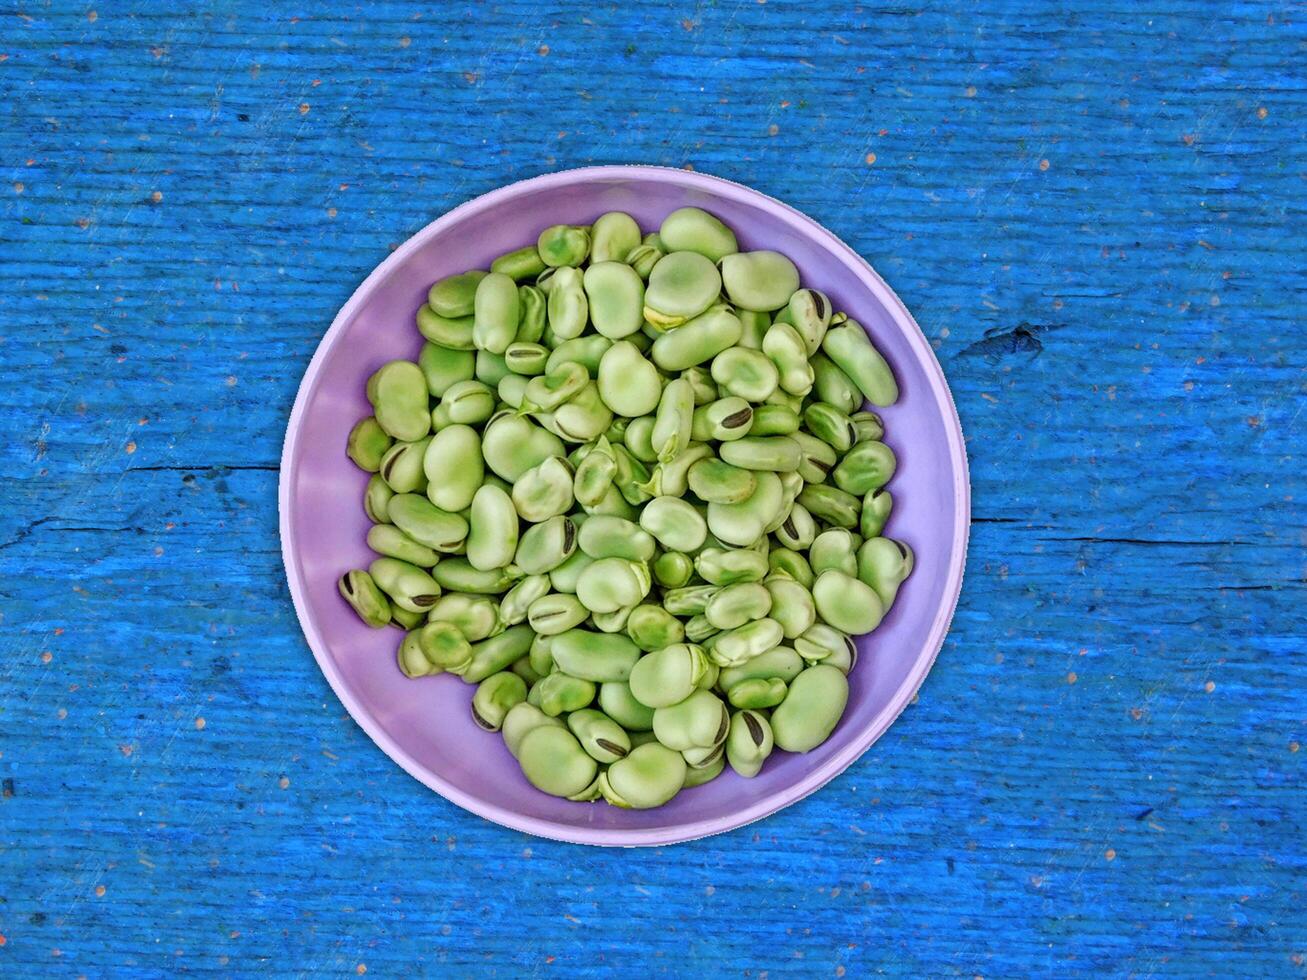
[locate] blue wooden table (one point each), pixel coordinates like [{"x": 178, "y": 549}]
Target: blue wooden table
[{"x": 1096, "y": 212}]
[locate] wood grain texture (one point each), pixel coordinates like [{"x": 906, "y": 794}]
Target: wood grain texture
[{"x": 1096, "y": 212}]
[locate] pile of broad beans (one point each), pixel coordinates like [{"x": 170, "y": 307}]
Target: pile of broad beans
[{"x": 628, "y": 490}]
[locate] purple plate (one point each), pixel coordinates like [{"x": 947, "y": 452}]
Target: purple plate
[{"x": 425, "y": 725}]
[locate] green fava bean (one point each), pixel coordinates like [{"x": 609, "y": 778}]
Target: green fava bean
[
  {"x": 681, "y": 286},
  {"x": 411, "y": 661},
  {"x": 541, "y": 658},
  {"x": 830, "y": 504},
  {"x": 671, "y": 430},
  {"x": 401, "y": 467},
  {"x": 604, "y": 739},
  {"x": 722, "y": 420},
  {"x": 730, "y": 567},
  {"x": 521, "y": 719},
  {"x": 762, "y": 280},
  {"x": 749, "y": 742},
  {"x": 616, "y": 701},
  {"x": 586, "y": 351},
  {"x": 754, "y": 325},
  {"x": 367, "y": 445},
  {"x": 454, "y": 333},
  {"x": 778, "y": 662},
  {"x": 669, "y": 675},
  {"x": 612, "y": 237},
  {"x": 884, "y": 564},
  {"x": 511, "y": 445},
  {"x": 495, "y": 697},
  {"x": 701, "y": 382},
  {"x": 410, "y": 587},
  {"x": 583, "y": 417},
  {"x": 469, "y": 402},
  {"x": 564, "y": 576},
  {"x": 672, "y": 479},
  {"x": 444, "y": 646},
  {"x": 596, "y": 657},
  {"x": 743, "y": 523},
  {"x": 822, "y": 643},
  {"x": 492, "y": 534},
  {"x": 443, "y": 367},
  {"x": 798, "y": 530},
  {"x": 695, "y": 230},
  {"x": 699, "y": 630},
  {"x": 425, "y": 523},
  {"x": 398, "y": 392},
  {"x": 615, "y": 505},
  {"x": 554, "y": 762},
  {"x": 497, "y": 653},
  {"x": 526, "y": 359},
  {"x": 734, "y": 605},
  {"x": 734, "y": 647},
  {"x": 811, "y": 710},
  {"x": 784, "y": 346},
  {"x": 496, "y": 313},
  {"x": 772, "y": 453},
  {"x": 563, "y": 245},
  {"x": 643, "y": 258},
  {"x": 849, "y": 347},
  {"x": 876, "y": 507},
  {"x": 847, "y": 603},
  {"x": 833, "y": 549},
  {"x": 610, "y": 584},
  {"x": 632, "y": 478},
  {"x": 555, "y": 387},
  {"x": 699, "y": 721},
  {"x": 453, "y": 467},
  {"x": 816, "y": 458},
  {"x": 594, "y": 474},
  {"x": 519, "y": 599},
  {"x": 376, "y": 499},
  {"x": 746, "y": 373},
  {"x": 639, "y": 439},
  {"x": 674, "y": 523},
  {"x": 689, "y": 600},
  {"x": 653, "y": 627},
  {"x": 757, "y": 693},
  {"x": 867, "y": 426},
  {"x": 390, "y": 541},
  {"x": 832, "y": 386},
  {"x": 561, "y": 693},
  {"x": 544, "y": 491},
  {"x": 566, "y": 306},
  {"x": 791, "y": 564},
  {"x": 475, "y": 617},
  {"x": 717, "y": 482},
  {"x": 524, "y": 263},
  {"x": 672, "y": 570},
  {"x": 455, "y": 296},
  {"x": 512, "y": 389},
  {"x": 791, "y": 486},
  {"x": 615, "y": 294},
  {"x": 545, "y": 546},
  {"x": 603, "y": 536},
  {"x": 649, "y": 776},
  {"x": 491, "y": 368},
  {"x": 531, "y": 319},
  {"x": 360, "y": 591},
  {"x": 557, "y": 613},
  {"x": 705, "y": 774},
  {"x": 459, "y": 575},
  {"x": 810, "y": 312},
  {"x": 628, "y": 384},
  {"x": 830, "y": 425},
  {"x": 792, "y": 606},
  {"x": 865, "y": 467},
  {"x": 703, "y": 757},
  {"x": 698, "y": 340}
]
